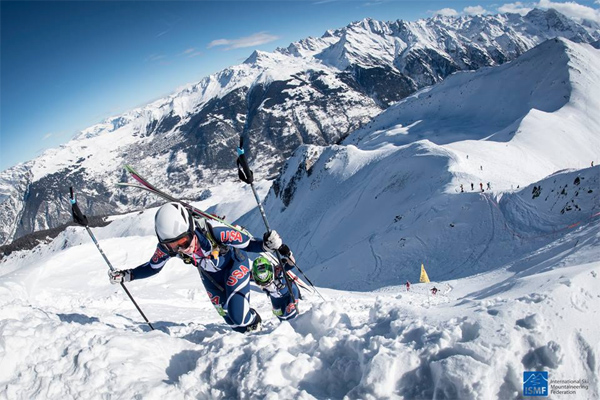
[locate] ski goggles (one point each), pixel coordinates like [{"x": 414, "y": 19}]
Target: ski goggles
[{"x": 180, "y": 242}]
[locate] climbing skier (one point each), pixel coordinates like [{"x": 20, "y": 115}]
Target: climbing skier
[
  {"x": 407, "y": 286},
  {"x": 219, "y": 253},
  {"x": 267, "y": 273}
]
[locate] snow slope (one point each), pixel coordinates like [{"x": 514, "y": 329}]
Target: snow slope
[
  {"x": 526, "y": 118},
  {"x": 517, "y": 269},
  {"x": 396, "y": 200},
  {"x": 66, "y": 333}
]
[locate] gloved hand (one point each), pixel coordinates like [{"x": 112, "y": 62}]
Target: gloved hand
[
  {"x": 119, "y": 276},
  {"x": 272, "y": 241},
  {"x": 286, "y": 255}
]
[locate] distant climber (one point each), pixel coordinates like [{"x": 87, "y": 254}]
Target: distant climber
[
  {"x": 489, "y": 186},
  {"x": 434, "y": 290},
  {"x": 407, "y": 286},
  {"x": 481, "y": 186},
  {"x": 462, "y": 190},
  {"x": 472, "y": 186}
]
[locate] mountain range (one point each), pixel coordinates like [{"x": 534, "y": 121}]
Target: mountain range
[{"x": 317, "y": 91}]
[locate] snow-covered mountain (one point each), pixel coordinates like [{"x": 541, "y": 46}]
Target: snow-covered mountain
[
  {"x": 517, "y": 265},
  {"x": 510, "y": 126},
  {"x": 316, "y": 91}
]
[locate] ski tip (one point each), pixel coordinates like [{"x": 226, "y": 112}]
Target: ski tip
[{"x": 133, "y": 185}]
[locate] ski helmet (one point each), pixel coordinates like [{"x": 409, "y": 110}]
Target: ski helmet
[
  {"x": 172, "y": 222},
  {"x": 262, "y": 271}
]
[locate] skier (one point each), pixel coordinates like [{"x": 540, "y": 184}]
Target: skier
[
  {"x": 434, "y": 290},
  {"x": 267, "y": 273},
  {"x": 472, "y": 187},
  {"x": 481, "y": 186},
  {"x": 218, "y": 252},
  {"x": 407, "y": 286},
  {"x": 462, "y": 190},
  {"x": 489, "y": 186}
]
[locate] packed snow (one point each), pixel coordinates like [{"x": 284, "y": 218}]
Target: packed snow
[
  {"x": 516, "y": 268},
  {"x": 66, "y": 333}
]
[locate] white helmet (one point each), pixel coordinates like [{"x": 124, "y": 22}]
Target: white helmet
[{"x": 173, "y": 221}]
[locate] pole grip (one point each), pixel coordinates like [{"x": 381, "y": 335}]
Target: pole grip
[
  {"x": 78, "y": 216},
  {"x": 244, "y": 172}
]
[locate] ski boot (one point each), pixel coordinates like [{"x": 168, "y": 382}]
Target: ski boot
[{"x": 256, "y": 325}]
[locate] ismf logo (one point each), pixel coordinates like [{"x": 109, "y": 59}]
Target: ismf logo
[
  {"x": 158, "y": 254},
  {"x": 535, "y": 383},
  {"x": 231, "y": 236}
]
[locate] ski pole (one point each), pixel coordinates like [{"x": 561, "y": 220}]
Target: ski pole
[
  {"x": 246, "y": 175},
  {"x": 308, "y": 280},
  {"x": 82, "y": 220}
]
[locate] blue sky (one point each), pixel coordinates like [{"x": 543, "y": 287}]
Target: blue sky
[{"x": 67, "y": 65}]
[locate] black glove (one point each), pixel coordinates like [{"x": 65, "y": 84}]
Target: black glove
[
  {"x": 286, "y": 255},
  {"x": 284, "y": 250}
]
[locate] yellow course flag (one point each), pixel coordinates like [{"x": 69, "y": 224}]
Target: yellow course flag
[{"x": 424, "y": 278}]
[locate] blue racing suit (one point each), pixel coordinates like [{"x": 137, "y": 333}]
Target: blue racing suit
[{"x": 225, "y": 269}]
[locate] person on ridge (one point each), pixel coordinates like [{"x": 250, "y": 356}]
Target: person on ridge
[
  {"x": 267, "y": 273},
  {"x": 407, "y": 286},
  {"x": 219, "y": 253}
]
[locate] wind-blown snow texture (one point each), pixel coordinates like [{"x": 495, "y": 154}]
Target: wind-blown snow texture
[
  {"x": 519, "y": 265},
  {"x": 315, "y": 91},
  {"x": 66, "y": 333}
]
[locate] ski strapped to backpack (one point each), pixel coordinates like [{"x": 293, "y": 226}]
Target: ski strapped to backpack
[
  {"x": 145, "y": 185},
  {"x": 80, "y": 219}
]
